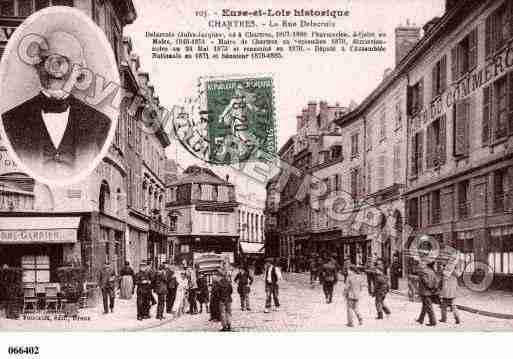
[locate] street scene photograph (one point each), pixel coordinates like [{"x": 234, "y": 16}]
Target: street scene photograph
[{"x": 246, "y": 167}]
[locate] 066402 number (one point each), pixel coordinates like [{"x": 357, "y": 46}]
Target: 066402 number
[{"x": 23, "y": 350}]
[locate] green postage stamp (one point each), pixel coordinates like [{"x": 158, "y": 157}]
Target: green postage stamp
[
  {"x": 234, "y": 121},
  {"x": 241, "y": 119}
]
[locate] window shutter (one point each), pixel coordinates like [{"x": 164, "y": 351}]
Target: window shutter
[
  {"x": 434, "y": 80},
  {"x": 443, "y": 141},
  {"x": 472, "y": 55},
  {"x": 420, "y": 153},
  {"x": 443, "y": 74},
  {"x": 487, "y": 109},
  {"x": 361, "y": 188},
  {"x": 454, "y": 63},
  {"x": 460, "y": 128},
  {"x": 429, "y": 146},
  {"x": 508, "y": 205},
  {"x": 353, "y": 183},
  {"x": 488, "y": 35},
  {"x": 409, "y": 94},
  {"x": 369, "y": 177},
  {"x": 421, "y": 94},
  {"x": 510, "y": 102},
  {"x": 381, "y": 172},
  {"x": 413, "y": 159}
]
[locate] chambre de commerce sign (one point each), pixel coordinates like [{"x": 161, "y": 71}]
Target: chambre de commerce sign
[{"x": 477, "y": 78}]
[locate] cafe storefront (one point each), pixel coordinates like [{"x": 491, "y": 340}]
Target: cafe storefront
[{"x": 39, "y": 245}]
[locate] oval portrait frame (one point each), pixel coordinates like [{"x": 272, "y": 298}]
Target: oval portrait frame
[{"x": 93, "y": 41}]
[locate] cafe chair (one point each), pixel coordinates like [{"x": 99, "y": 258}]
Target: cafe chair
[
  {"x": 51, "y": 299},
  {"x": 29, "y": 300}
]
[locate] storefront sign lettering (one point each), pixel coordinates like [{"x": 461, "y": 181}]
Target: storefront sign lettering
[
  {"x": 476, "y": 79},
  {"x": 38, "y": 236},
  {"x": 7, "y": 164}
]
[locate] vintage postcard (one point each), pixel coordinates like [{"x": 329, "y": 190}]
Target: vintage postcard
[{"x": 244, "y": 166}]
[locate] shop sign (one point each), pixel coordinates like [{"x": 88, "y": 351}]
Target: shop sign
[
  {"x": 7, "y": 164},
  {"x": 38, "y": 236},
  {"x": 479, "y": 77}
]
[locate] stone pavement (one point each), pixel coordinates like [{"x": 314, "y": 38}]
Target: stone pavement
[
  {"x": 303, "y": 309},
  {"x": 492, "y": 301},
  {"x": 92, "y": 319}
]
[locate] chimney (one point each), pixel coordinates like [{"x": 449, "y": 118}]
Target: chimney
[
  {"x": 306, "y": 119},
  {"x": 430, "y": 24},
  {"x": 449, "y": 4},
  {"x": 387, "y": 72},
  {"x": 299, "y": 120},
  {"x": 312, "y": 110},
  {"x": 406, "y": 36}
]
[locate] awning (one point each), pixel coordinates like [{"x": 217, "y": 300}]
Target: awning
[
  {"x": 24, "y": 230},
  {"x": 252, "y": 248}
]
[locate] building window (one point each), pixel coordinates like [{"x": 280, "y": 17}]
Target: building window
[
  {"x": 354, "y": 145},
  {"x": 500, "y": 257},
  {"x": 398, "y": 115},
  {"x": 369, "y": 176},
  {"x": 439, "y": 77},
  {"x": 498, "y": 110},
  {"x": 435, "y": 143},
  {"x": 499, "y": 28},
  {"x": 62, "y": 2},
  {"x": 337, "y": 182},
  {"x": 435, "y": 207},
  {"x": 464, "y": 56},
  {"x": 368, "y": 142},
  {"x": 381, "y": 172},
  {"x": 356, "y": 185},
  {"x": 382, "y": 125},
  {"x": 397, "y": 163},
  {"x": 104, "y": 200},
  {"x": 7, "y": 8},
  {"x": 415, "y": 98},
  {"x": 336, "y": 152},
  {"x": 413, "y": 213},
  {"x": 461, "y": 128},
  {"x": 499, "y": 185},
  {"x": 417, "y": 152},
  {"x": 464, "y": 199}
]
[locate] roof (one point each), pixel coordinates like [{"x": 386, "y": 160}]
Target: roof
[{"x": 197, "y": 174}]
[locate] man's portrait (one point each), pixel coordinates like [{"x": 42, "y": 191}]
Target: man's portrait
[{"x": 55, "y": 134}]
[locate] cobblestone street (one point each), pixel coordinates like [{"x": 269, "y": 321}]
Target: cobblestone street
[{"x": 303, "y": 309}]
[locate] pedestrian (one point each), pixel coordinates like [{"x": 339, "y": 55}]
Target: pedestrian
[
  {"x": 223, "y": 290},
  {"x": 151, "y": 272},
  {"x": 381, "y": 289},
  {"x": 192, "y": 287},
  {"x": 272, "y": 279},
  {"x": 313, "y": 270},
  {"x": 244, "y": 281},
  {"x": 370, "y": 272},
  {"x": 203, "y": 297},
  {"x": 127, "y": 282},
  {"x": 143, "y": 283},
  {"x": 215, "y": 315},
  {"x": 448, "y": 294},
  {"x": 395, "y": 273},
  {"x": 107, "y": 281},
  {"x": 428, "y": 287},
  {"x": 352, "y": 290},
  {"x": 172, "y": 286},
  {"x": 329, "y": 277},
  {"x": 160, "y": 288}
]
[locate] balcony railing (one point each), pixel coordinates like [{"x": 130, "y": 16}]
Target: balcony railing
[{"x": 464, "y": 209}]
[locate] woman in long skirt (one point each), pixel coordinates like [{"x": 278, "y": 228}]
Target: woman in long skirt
[{"x": 127, "y": 282}]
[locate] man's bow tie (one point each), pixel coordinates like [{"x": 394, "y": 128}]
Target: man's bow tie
[{"x": 53, "y": 105}]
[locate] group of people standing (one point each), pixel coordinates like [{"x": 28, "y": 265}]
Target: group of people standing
[{"x": 146, "y": 284}]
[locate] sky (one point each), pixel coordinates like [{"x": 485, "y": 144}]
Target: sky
[{"x": 299, "y": 78}]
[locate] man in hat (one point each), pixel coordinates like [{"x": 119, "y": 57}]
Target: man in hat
[
  {"x": 352, "y": 291},
  {"x": 172, "y": 286},
  {"x": 55, "y": 134},
  {"x": 222, "y": 290},
  {"x": 272, "y": 277},
  {"x": 107, "y": 281},
  {"x": 143, "y": 282}
]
